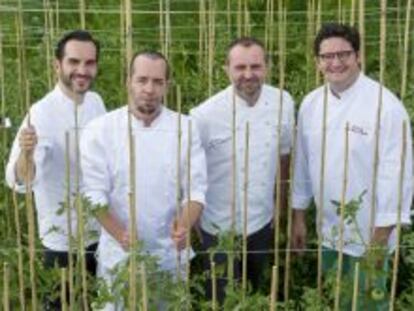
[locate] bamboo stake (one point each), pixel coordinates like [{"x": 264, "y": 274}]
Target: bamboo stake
[
  {"x": 6, "y": 290},
  {"x": 161, "y": 26},
  {"x": 342, "y": 217},
  {"x": 309, "y": 35},
  {"x": 339, "y": 16},
  {"x": 68, "y": 206},
  {"x": 128, "y": 32},
  {"x": 318, "y": 26},
  {"x": 64, "y": 305},
  {"x": 201, "y": 34},
  {"x": 82, "y": 14},
  {"x": 399, "y": 34},
  {"x": 361, "y": 28},
  {"x": 123, "y": 60},
  {"x": 79, "y": 210},
  {"x": 356, "y": 288},
  {"x": 30, "y": 215},
  {"x": 57, "y": 22},
  {"x": 2, "y": 80},
  {"x": 273, "y": 290},
  {"x": 245, "y": 210},
  {"x": 178, "y": 198},
  {"x": 19, "y": 52},
  {"x": 211, "y": 46},
  {"x": 46, "y": 5},
  {"x": 398, "y": 227},
  {"x": 188, "y": 237},
  {"x": 19, "y": 251},
  {"x": 239, "y": 18},
  {"x": 229, "y": 18},
  {"x": 406, "y": 50},
  {"x": 352, "y": 19},
  {"x": 322, "y": 188},
  {"x": 378, "y": 117},
  {"x": 247, "y": 27},
  {"x": 230, "y": 257},
  {"x": 167, "y": 29},
  {"x": 144, "y": 287},
  {"x": 289, "y": 221},
  {"x": 213, "y": 286}
]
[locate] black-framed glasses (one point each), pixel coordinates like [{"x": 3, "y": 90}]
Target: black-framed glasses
[{"x": 341, "y": 55}]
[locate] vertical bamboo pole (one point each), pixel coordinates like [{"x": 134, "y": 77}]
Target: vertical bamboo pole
[
  {"x": 378, "y": 117},
  {"x": 228, "y": 13},
  {"x": 211, "y": 45},
  {"x": 30, "y": 216},
  {"x": 46, "y": 8},
  {"x": 132, "y": 297},
  {"x": 167, "y": 28},
  {"x": 406, "y": 50},
  {"x": 82, "y": 14},
  {"x": 20, "y": 66},
  {"x": 339, "y": 14},
  {"x": 245, "y": 210},
  {"x": 57, "y": 19},
  {"x": 342, "y": 218},
  {"x": 239, "y": 18},
  {"x": 286, "y": 282},
  {"x": 309, "y": 36},
  {"x": 6, "y": 290},
  {"x": 322, "y": 187},
  {"x": 63, "y": 302},
  {"x": 273, "y": 290},
  {"x": 178, "y": 198},
  {"x": 161, "y": 26},
  {"x": 398, "y": 227},
  {"x": 68, "y": 206},
  {"x": 123, "y": 59},
  {"x": 399, "y": 33},
  {"x": 356, "y": 288},
  {"x": 318, "y": 26},
  {"x": 201, "y": 34},
  {"x": 270, "y": 37},
  {"x": 361, "y": 28},
  {"x": 213, "y": 286},
  {"x": 79, "y": 210},
  {"x": 247, "y": 24},
  {"x": 352, "y": 15},
  {"x": 144, "y": 287},
  {"x": 188, "y": 237},
  {"x": 19, "y": 252}
]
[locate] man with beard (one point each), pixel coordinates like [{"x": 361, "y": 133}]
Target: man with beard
[
  {"x": 162, "y": 226},
  {"x": 269, "y": 113},
  {"x": 38, "y": 155}
]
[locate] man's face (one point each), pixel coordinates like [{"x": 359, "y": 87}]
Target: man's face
[
  {"x": 147, "y": 84},
  {"x": 338, "y": 61},
  {"x": 246, "y": 69},
  {"x": 78, "y": 67}
]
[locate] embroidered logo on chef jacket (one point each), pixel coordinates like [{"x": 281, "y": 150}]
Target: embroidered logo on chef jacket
[
  {"x": 214, "y": 143},
  {"x": 358, "y": 130}
]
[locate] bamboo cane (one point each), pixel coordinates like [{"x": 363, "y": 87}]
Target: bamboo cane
[
  {"x": 46, "y": 5},
  {"x": 6, "y": 290},
  {"x": 19, "y": 252},
  {"x": 322, "y": 188},
  {"x": 245, "y": 210},
  {"x": 144, "y": 287},
  {"x": 201, "y": 34},
  {"x": 247, "y": 27},
  {"x": 161, "y": 26},
  {"x": 289, "y": 221},
  {"x": 378, "y": 118},
  {"x": 273, "y": 290},
  {"x": 309, "y": 34},
  {"x": 128, "y": 33},
  {"x": 68, "y": 206},
  {"x": 30, "y": 214},
  {"x": 57, "y": 19},
  {"x": 406, "y": 51},
  {"x": 213, "y": 286},
  {"x": 188, "y": 225},
  {"x": 2, "y": 80},
  {"x": 361, "y": 28},
  {"x": 123, "y": 59},
  {"x": 398, "y": 227},
  {"x": 228, "y": 15},
  {"x": 167, "y": 28},
  {"x": 230, "y": 257},
  {"x": 79, "y": 210},
  {"x": 356, "y": 288},
  {"x": 239, "y": 18},
  {"x": 399, "y": 33},
  {"x": 63, "y": 302},
  {"x": 352, "y": 18},
  {"x": 341, "y": 224},
  {"x": 19, "y": 52},
  {"x": 82, "y": 14},
  {"x": 339, "y": 14},
  {"x": 178, "y": 197},
  {"x": 318, "y": 26},
  {"x": 211, "y": 46}
]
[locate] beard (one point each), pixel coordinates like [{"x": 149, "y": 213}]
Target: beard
[
  {"x": 69, "y": 82},
  {"x": 249, "y": 88}
]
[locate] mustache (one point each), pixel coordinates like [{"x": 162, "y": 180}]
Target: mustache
[{"x": 76, "y": 75}]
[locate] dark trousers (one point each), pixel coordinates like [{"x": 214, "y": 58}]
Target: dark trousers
[
  {"x": 258, "y": 247},
  {"x": 52, "y": 259}
]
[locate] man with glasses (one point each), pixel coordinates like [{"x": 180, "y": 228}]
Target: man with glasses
[{"x": 350, "y": 105}]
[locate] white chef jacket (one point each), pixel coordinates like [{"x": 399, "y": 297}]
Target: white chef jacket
[
  {"x": 52, "y": 117},
  {"x": 357, "y": 106},
  {"x": 105, "y": 167},
  {"x": 214, "y": 119}
]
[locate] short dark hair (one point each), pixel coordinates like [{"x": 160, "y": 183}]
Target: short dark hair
[
  {"x": 332, "y": 30},
  {"x": 154, "y": 55},
  {"x": 78, "y": 35},
  {"x": 245, "y": 42}
]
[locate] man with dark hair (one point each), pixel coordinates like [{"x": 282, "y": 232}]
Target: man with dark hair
[
  {"x": 269, "y": 112},
  {"x": 353, "y": 102},
  {"x": 106, "y": 172},
  {"x": 39, "y": 151}
]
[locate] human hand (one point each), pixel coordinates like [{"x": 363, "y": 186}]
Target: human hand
[
  {"x": 28, "y": 139},
  {"x": 179, "y": 235}
]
